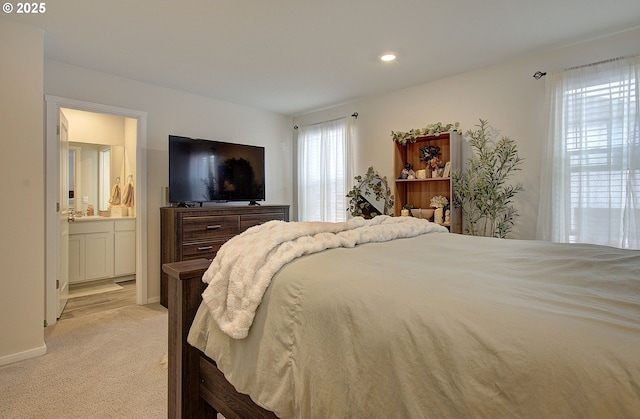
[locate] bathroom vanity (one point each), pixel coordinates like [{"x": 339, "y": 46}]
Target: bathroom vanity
[{"x": 102, "y": 247}]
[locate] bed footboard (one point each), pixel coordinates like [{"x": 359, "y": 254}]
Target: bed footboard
[
  {"x": 184, "y": 288},
  {"x": 197, "y": 388}
]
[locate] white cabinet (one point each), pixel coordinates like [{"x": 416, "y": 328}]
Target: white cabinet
[
  {"x": 101, "y": 248},
  {"x": 76, "y": 258},
  {"x": 98, "y": 255},
  {"x": 125, "y": 247}
]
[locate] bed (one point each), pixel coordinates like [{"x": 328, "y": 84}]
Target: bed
[{"x": 427, "y": 324}]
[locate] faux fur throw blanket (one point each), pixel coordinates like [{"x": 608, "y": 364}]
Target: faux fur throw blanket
[{"x": 244, "y": 266}]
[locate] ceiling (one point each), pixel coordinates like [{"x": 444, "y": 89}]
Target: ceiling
[{"x": 295, "y": 56}]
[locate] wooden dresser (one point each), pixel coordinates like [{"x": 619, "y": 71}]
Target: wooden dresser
[{"x": 194, "y": 233}]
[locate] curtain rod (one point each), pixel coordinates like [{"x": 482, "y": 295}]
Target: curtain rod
[
  {"x": 539, "y": 74},
  {"x": 597, "y": 63},
  {"x": 353, "y": 115}
]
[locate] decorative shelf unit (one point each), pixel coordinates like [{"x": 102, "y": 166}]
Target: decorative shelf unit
[{"x": 418, "y": 192}]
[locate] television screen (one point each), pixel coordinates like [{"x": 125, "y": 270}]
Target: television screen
[{"x": 214, "y": 171}]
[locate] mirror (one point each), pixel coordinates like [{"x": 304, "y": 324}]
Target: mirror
[
  {"x": 93, "y": 171},
  {"x": 370, "y": 196},
  {"x": 74, "y": 153}
]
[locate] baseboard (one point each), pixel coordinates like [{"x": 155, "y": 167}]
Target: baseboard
[
  {"x": 20, "y": 356},
  {"x": 153, "y": 300}
]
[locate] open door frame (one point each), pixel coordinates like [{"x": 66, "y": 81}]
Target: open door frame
[{"x": 53, "y": 106}]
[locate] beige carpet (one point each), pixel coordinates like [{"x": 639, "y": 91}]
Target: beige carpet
[{"x": 102, "y": 365}]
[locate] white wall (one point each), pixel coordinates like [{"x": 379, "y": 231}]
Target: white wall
[
  {"x": 506, "y": 95},
  {"x": 130, "y": 138},
  {"x": 22, "y": 190},
  {"x": 174, "y": 112}
]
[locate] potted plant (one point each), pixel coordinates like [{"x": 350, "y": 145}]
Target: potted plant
[
  {"x": 482, "y": 190},
  {"x": 370, "y": 187}
]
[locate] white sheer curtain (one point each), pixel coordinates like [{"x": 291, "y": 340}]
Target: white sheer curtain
[
  {"x": 324, "y": 170},
  {"x": 590, "y": 184}
]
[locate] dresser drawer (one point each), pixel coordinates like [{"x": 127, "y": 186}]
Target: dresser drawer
[
  {"x": 206, "y": 249},
  {"x": 251, "y": 220},
  {"x": 209, "y": 227},
  {"x": 193, "y": 233}
]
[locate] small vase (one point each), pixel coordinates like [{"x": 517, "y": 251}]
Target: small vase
[{"x": 434, "y": 173}]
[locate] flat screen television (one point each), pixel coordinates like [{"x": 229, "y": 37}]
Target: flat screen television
[{"x": 214, "y": 171}]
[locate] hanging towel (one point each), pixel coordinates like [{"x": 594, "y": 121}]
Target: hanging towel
[
  {"x": 127, "y": 195},
  {"x": 115, "y": 195}
]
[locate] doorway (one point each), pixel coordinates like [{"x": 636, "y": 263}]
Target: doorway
[{"x": 137, "y": 125}]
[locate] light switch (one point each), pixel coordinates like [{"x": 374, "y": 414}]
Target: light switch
[{"x": 85, "y": 199}]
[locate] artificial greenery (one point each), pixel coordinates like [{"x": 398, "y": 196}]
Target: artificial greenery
[
  {"x": 482, "y": 191},
  {"x": 430, "y": 155},
  {"x": 412, "y": 135},
  {"x": 371, "y": 184}
]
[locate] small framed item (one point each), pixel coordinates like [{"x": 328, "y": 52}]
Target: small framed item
[{"x": 447, "y": 169}]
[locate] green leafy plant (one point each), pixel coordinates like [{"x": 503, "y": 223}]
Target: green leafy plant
[
  {"x": 412, "y": 135},
  {"x": 369, "y": 186},
  {"x": 430, "y": 154},
  {"x": 482, "y": 191}
]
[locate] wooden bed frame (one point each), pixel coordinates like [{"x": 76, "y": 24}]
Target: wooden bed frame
[{"x": 197, "y": 388}]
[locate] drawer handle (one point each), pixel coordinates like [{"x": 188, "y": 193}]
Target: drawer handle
[
  {"x": 214, "y": 227},
  {"x": 203, "y": 248}
]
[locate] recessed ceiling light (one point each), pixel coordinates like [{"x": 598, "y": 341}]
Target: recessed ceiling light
[{"x": 388, "y": 57}]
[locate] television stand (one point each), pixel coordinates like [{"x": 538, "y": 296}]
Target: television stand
[{"x": 187, "y": 205}]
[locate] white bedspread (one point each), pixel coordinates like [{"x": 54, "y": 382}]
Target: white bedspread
[{"x": 245, "y": 265}]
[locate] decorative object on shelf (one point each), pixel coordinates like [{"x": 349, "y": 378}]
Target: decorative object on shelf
[
  {"x": 446, "y": 172},
  {"x": 482, "y": 191},
  {"x": 406, "y": 210},
  {"x": 425, "y": 213},
  {"x": 430, "y": 154},
  {"x": 370, "y": 196},
  {"x": 438, "y": 216},
  {"x": 421, "y": 174},
  {"x": 439, "y": 201},
  {"x": 432, "y": 129},
  {"x": 407, "y": 172}
]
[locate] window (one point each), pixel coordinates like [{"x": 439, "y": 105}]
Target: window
[
  {"x": 104, "y": 183},
  {"x": 591, "y": 187},
  {"x": 324, "y": 170}
]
